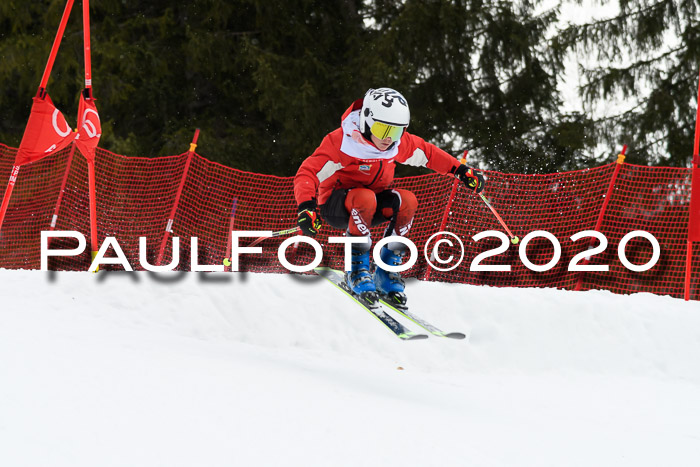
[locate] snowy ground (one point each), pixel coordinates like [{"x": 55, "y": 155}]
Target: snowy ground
[{"x": 138, "y": 369}]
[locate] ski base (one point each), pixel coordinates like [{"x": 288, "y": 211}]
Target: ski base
[{"x": 371, "y": 304}]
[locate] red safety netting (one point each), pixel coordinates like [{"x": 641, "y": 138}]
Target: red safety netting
[{"x": 135, "y": 197}]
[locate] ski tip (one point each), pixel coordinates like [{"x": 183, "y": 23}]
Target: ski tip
[
  {"x": 413, "y": 336},
  {"x": 455, "y": 335}
]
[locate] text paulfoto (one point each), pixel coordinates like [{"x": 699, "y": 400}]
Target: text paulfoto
[{"x": 433, "y": 256}]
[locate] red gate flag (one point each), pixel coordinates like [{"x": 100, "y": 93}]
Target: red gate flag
[
  {"x": 47, "y": 132},
  {"x": 89, "y": 127}
]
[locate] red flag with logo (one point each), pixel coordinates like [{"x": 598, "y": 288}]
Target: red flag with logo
[
  {"x": 89, "y": 127},
  {"x": 47, "y": 132}
]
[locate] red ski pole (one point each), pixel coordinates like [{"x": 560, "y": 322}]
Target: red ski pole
[
  {"x": 279, "y": 233},
  {"x": 513, "y": 238}
]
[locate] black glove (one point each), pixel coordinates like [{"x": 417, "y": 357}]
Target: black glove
[
  {"x": 472, "y": 178},
  {"x": 309, "y": 222}
]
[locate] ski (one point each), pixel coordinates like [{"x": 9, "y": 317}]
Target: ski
[
  {"x": 403, "y": 310},
  {"x": 337, "y": 278}
]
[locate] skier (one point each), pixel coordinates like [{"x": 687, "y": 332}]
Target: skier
[{"x": 352, "y": 171}]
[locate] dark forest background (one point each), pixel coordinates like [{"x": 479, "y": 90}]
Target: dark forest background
[{"x": 265, "y": 81}]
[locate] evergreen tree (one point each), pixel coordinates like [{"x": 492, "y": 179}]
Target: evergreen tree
[
  {"x": 265, "y": 81},
  {"x": 649, "y": 53},
  {"x": 479, "y": 75},
  {"x": 27, "y": 30}
]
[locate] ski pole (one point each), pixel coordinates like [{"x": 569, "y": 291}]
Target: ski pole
[
  {"x": 279, "y": 233},
  {"x": 276, "y": 234},
  {"x": 513, "y": 238}
]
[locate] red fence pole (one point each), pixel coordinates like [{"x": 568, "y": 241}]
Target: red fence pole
[
  {"x": 603, "y": 208},
  {"x": 8, "y": 193},
  {"x": 169, "y": 225},
  {"x": 232, "y": 218},
  {"x": 443, "y": 222},
  {"x": 694, "y": 210}
]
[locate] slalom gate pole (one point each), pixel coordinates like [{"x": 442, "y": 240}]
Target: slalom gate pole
[
  {"x": 694, "y": 210},
  {"x": 171, "y": 217},
  {"x": 91, "y": 162},
  {"x": 86, "y": 46},
  {"x": 93, "y": 210},
  {"x": 41, "y": 93},
  {"x": 54, "y": 49}
]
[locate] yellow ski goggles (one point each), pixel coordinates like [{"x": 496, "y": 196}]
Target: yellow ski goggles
[{"x": 383, "y": 130}]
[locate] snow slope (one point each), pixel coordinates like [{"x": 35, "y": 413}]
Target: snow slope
[{"x": 139, "y": 369}]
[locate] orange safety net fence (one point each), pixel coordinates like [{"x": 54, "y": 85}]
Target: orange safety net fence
[{"x": 136, "y": 195}]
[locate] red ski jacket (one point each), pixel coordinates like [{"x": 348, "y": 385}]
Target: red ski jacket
[{"x": 345, "y": 159}]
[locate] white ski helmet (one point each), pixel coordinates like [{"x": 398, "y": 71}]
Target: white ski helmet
[{"x": 384, "y": 113}]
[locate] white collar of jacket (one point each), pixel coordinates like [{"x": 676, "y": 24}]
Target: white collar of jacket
[{"x": 355, "y": 145}]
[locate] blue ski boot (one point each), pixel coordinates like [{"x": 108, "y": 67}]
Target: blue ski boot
[
  {"x": 359, "y": 279},
  {"x": 390, "y": 285}
]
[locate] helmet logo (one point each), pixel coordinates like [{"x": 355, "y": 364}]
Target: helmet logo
[
  {"x": 386, "y": 106},
  {"x": 389, "y": 95}
]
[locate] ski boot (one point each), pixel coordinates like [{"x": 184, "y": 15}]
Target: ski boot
[
  {"x": 390, "y": 285},
  {"x": 359, "y": 280}
]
